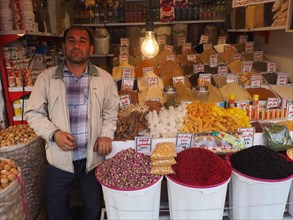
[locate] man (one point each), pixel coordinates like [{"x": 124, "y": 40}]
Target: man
[{"x": 74, "y": 108}]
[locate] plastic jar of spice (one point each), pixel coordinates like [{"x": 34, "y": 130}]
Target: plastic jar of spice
[
  {"x": 170, "y": 96},
  {"x": 201, "y": 93}
]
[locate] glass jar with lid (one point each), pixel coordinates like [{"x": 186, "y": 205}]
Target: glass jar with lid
[
  {"x": 201, "y": 93},
  {"x": 169, "y": 96}
]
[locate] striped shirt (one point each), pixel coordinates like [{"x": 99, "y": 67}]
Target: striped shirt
[{"x": 77, "y": 100}]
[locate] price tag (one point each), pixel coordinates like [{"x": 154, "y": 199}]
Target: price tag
[
  {"x": 204, "y": 39},
  {"x": 178, "y": 79},
  {"x": 282, "y": 79},
  {"x": 237, "y": 56},
  {"x": 205, "y": 77},
  {"x": 161, "y": 39},
  {"x": 124, "y": 100},
  {"x": 191, "y": 58},
  {"x": 181, "y": 40},
  {"x": 207, "y": 46},
  {"x": 258, "y": 56},
  {"x": 197, "y": 68},
  {"x": 272, "y": 103},
  {"x": 183, "y": 141},
  {"x": 123, "y": 58},
  {"x": 214, "y": 60},
  {"x": 152, "y": 81},
  {"x": 242, "y": 105},
  {"x": 227, "y": 47},
  {"x": 127, "y": 84},
  {"x": 170, "y": 57},
  {"x": 255, "y": 81},
  {"x": 186, "y": 47},
  {"x": 123, "y": 50},
  {"x": 249, "y": 47},
  {"x": 147, "y": 69},
  {"x": 246, "y": 66},
  {"x": 168, "y": 47},
  {"x": 222, "y": 70},
  {"x": 143, "y": 144},
  {"x": 242, "y": 39},
  {"x": 248, "y": 135},
  {"x": 290, "y": 112},
  {"x": 271, "y": 68},
  {"x": 126, "y": 73},
  {"x": 154, "y": 99},
  {"x": 222, "y": 39},
  {"x": 124, "y": 42},
  {"x": 231, "y": 78}
]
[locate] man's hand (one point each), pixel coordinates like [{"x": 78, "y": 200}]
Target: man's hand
[
  {"x": 103, "y": 145},
  {"x": 65, "y": 140}
]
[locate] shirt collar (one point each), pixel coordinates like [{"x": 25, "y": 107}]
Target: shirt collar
[{"x": 67, "y": 72}]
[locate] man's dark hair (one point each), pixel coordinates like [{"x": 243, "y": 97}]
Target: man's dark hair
[{"x": 91, "y": 37}]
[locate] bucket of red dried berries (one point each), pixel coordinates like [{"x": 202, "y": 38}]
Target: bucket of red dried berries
[
  {"x": 261, "y": 180},
  {"x": 130, "y": 191},
  {"x": 198, "y": 188}
]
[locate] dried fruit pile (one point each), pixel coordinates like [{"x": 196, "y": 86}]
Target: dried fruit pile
[{"x": 8, "y": 172}]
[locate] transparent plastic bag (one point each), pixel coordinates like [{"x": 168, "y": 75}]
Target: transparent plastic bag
[{"x": 277, "y": 137}]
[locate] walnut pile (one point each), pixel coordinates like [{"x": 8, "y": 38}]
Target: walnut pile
[{"x": 8, "y": 172}]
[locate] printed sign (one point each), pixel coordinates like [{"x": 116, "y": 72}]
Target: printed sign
[
  {"x": 237, "y": 56},
  {"x": 230, "y": 78},
  {"x": 204, "y": 39},
  {"x": 181, "y": 40},
  {"x": 258, "y": 56},
  {"x": 248, "y": 135},
  {"x": 214, "y": 60},
  {"x": 143, "y": 144},
  {"x": 183, "y": 141},
  {"x": 152, "y": 81},
  {"x": 242, "y": 105},
  {"x": 249, "y": 47},
  {"x": 246, "y": 66},
  {"x": 197, "y": 68},
  {"x": 271, "y": 68},
  {"x": 178, "y": 79}
]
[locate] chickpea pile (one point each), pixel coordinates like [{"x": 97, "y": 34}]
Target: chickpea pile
[
  {"x": 8, "y": 172},
  {"x": 16, "y": 134}
]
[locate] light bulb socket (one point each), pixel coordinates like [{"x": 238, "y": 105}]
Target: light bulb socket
[{"x": 149, "y": 25}]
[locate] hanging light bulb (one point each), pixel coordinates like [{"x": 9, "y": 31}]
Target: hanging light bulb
[{"x": 149, "y": 46}]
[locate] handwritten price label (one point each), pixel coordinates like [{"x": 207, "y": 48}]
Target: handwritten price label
[
  {"x": 143, "y": 144},
  {"x": 222, "y": 39},
  {"x": 124, "y": 101},
  {"x": 249, "y": 47},
  {"x": 282, "y": 79},
  {"x": 246, "y": 66},
  {"x": 290, "y": 112},
  {"x": 271, "y": 68},
  {"x": 170, "y": 58},
  {"x": 161, "y": 39},
  {"x": 231, "y": 78},
  {"x": 197, "y": 68},
  {"x": 204, "y": 39},
  {"x": 126, "y": 73},
  {"x": 152, "y": 81},
  {"x": 222, "y": 70},
  {"x": 214, "y": 60},
  {"x": 272, "y": 103},
  {"x": 191, "y": 57},
  {"x": 181, "y": 40},
  {"x": 124, "y": 42},
  {"x": 242, "y": 39},
  {"x": 237, "y": 56},
  {"x": 248, "y": 135},
  {"x": 127, "y": 84},
  {"x": 147, "y": 69},
  {"x": 183, "y": 141},
  {"x": 258, "y": 56},
  {"x": 186, "y": 47},
  {"x": 255, "y": 81},
  {"x": 178, "y": 79},
  {"x": 242, "y": 105}
]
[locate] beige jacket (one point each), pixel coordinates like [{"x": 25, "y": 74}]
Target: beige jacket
[{"x": 47, "y": 111}]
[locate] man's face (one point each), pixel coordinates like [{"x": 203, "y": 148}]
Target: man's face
[{"x": 77, "y": 46}]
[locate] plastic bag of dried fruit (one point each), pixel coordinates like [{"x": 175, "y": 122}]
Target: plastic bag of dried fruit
[{"x": 13, "y": 203}]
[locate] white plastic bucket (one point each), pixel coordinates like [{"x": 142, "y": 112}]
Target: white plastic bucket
[
  {"x": 253, "y": 198},
  {"x": 196, "y": 203},
  {"x": 290, "y": 201},
  {"x": 133, "y": 204}
]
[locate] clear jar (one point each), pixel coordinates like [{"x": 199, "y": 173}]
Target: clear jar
[
  {"x": 169, "y": 96},
  {"x": 201, "y": 93}
]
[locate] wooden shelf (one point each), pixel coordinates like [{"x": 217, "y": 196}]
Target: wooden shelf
[
  {"x": 258, "y": 29},
  {"x": 102, "y": 55},
  {"x": 156, "y": 23}
]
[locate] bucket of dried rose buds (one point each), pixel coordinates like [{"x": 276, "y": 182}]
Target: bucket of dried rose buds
[
  {"x": 261, "y": 180},
  {"x": 198, "y": 188},
  {"x": 130, "y": 191}
]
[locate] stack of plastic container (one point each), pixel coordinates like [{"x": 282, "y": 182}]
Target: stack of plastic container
[
  {"x": 24, "y": 17},
  {"x": 6, "y": 16}
]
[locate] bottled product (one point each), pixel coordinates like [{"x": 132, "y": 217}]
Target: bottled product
[
  {"x": 201, "y": 93},
  {"x": 231, "y": 100}
]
